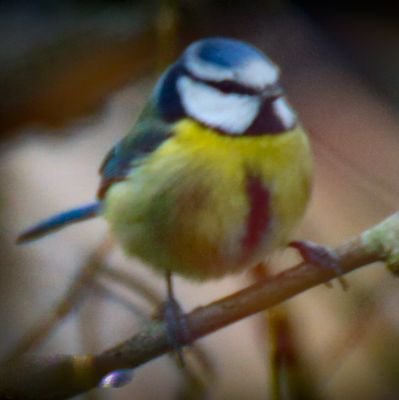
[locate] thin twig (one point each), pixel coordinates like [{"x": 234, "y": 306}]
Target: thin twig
[
  {"x": 134, "y": 284},
  {"x": 71, "y": 299}
]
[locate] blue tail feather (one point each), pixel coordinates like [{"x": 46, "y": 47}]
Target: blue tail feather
[{"x": 59, "y": 221}]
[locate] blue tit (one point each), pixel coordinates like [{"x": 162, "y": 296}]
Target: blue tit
[{"x": 214, "y": 175}]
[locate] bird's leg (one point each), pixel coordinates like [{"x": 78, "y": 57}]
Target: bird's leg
[
  {"x": 320, "y": 256},
  {"x": 176, "y": 324}
]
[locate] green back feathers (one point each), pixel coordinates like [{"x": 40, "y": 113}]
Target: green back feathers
[{"x": 149, "y": 133}]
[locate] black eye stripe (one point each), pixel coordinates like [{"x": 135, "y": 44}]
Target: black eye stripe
[
  {"x": 233, "y": 87},
  {"x": 225, "y": 86}
]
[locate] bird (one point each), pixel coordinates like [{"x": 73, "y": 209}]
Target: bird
[{"x": 215, "y": 174}]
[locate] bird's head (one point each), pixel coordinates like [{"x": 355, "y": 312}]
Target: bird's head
[{"x": 228, "y": 85}]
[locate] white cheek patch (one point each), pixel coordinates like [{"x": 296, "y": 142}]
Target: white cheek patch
[
  {"x": 284, "y": 112},
  {"x": 232, "y": 113}
]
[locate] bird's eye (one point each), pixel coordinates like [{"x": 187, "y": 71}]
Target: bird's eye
[{"x": 233, "y": 87}]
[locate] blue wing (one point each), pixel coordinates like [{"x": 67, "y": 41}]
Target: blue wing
[
  {"x": 148, "y": 134},
  {"x": 146, "y": 137}
]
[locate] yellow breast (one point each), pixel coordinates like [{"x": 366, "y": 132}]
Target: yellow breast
[{"x": 205, "y": 204}]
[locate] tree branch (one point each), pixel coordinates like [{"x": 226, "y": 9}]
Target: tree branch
[{"x": 63, "y": 376}]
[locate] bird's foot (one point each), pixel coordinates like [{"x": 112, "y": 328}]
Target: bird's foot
[
  {"x": 176, "y": 326},
  {"x": 321, "y": 256}
]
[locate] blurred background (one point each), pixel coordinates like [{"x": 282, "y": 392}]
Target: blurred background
[{"x": 73, "y": 77}]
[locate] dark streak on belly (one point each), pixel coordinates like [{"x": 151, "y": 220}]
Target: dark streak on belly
[{"x": 258, "y": 218}]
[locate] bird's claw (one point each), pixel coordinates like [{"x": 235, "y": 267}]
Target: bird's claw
[
  {"x": 320, "y": 256},
  {"x": 176, "y": 327},
  {"x": 177, "y": 331}
]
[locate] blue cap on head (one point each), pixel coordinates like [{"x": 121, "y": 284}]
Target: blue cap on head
[
  {"x": 220, "y": 59},
  {"x": 228, "y": 53}
]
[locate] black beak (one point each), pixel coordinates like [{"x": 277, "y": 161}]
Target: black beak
[{"x": 272, "y": 92}]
